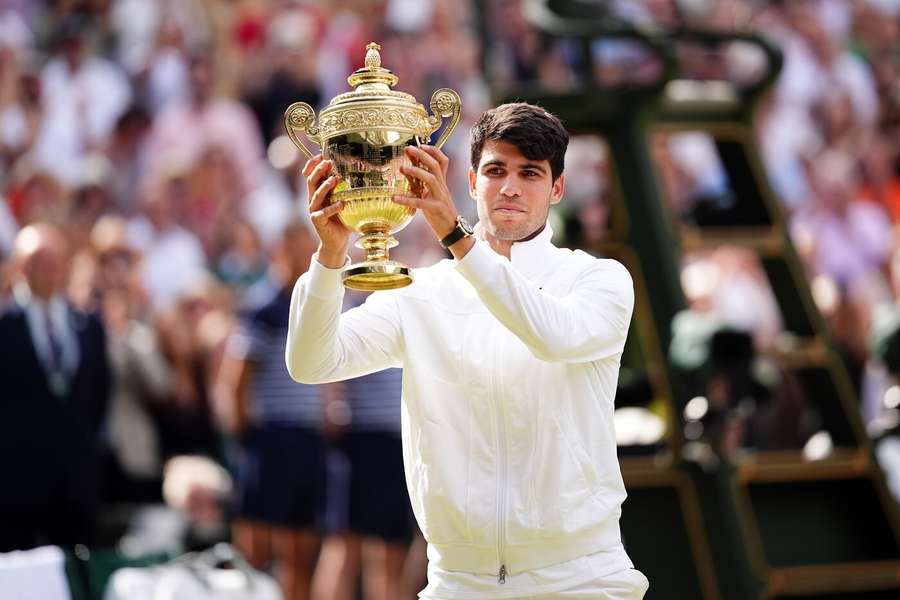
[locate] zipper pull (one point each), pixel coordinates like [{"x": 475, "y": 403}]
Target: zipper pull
[{"x": 501, "y": 577}]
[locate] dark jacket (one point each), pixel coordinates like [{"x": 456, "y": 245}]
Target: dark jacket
[{"x": 49, "y": 444}]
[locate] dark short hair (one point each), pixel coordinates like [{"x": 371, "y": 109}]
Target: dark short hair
[{"x": 537, "y": 133}]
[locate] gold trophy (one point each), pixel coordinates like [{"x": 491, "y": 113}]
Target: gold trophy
[{"x": 364, "y": 133}]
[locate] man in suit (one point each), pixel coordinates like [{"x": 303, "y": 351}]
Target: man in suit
[{"x": 54, "y": 386}]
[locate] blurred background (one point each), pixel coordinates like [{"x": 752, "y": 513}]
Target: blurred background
[{"x": 740, "y": 157}]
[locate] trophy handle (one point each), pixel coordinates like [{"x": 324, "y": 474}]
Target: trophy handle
[
  {"x": 444, "y": 103},
  {"x": 299, "y": 116}
]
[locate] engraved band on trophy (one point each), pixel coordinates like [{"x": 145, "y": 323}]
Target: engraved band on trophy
[{"x": 364, "y": 133}]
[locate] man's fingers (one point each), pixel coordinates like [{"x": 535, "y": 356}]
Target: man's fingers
[
  {"x": 327, "y": 212},
  {"x": 320, "y": 195},
  {"x": 317, "y": 200},
  {"x": 426, "y": 177},
  {"x": 425, "y": 159},
  {"x": 314, "y": 180},
  {"x": 411, "y": 201},
  {"x": 311, "y": 164},
  {"x": 442, "y": 159},
  {"x": 324, "y": 166},
  {"x": 434, "y": 152}
]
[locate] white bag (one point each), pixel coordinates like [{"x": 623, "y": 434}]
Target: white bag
[
  {"x": 38, "y": 574},
  {"x": 194, "y": 577}
]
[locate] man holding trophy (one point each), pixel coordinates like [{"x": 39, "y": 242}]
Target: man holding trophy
[{"x": 510, "y": 354}]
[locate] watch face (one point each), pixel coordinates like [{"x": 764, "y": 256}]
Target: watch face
[{"x": 464, "y": 225}]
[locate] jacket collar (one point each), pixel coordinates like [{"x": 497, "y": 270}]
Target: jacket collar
[
  {"x": 534, "y": 257},
  {"x": 25, "y": 298}
]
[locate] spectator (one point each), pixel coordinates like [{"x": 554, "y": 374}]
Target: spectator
[
  {"x": 368, "y": 518},
  {"x": 141, "y": 378},
  {"x": 192, "y": 334},
  {"x": 187, "y": 129},
  {"x": 286, "y": 73},
  {"x": 20, "y": 107},
  {"x": 125, "y": 151},
  {"x": 838, "y": 219},
  {"x": 278, "y": 501},
  {"x": 83, "y": 97},
  {"x": 173, "y": 256},
  {"x": 56, "y": 377}
]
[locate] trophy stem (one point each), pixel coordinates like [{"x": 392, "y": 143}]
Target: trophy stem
[
  {"x": 377, "y": 271},
  {"x": 376, "y": 242}
]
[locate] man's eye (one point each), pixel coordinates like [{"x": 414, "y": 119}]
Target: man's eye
[{"x": 529, "y": 173}]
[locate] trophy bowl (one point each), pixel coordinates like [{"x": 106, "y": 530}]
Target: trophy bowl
[{"x": 364, "y": 133}]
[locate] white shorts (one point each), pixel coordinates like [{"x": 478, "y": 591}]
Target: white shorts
[{"x": 629, "y": 584}]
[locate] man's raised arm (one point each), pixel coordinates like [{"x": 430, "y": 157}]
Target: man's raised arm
[
  {"x": 589, "y": 323},
  {"x": 324, "y": 345}
]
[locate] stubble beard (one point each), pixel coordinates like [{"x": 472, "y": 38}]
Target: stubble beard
[{"x": 513, "y": 232}]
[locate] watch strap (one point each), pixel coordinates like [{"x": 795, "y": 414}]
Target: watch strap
[{"x": 461, "y": 230}]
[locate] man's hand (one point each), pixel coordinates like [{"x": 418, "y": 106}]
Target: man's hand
[
  {"x": 334, "y": 237},
  {"x": 435, "y": 203}
]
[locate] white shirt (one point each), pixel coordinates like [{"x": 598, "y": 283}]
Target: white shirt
[
  {"x": 80, "y": 108},
  {"x": 510, "y": 368},
  {"x": 54, "y": 314},
  {"x": 173, "y": 260}
]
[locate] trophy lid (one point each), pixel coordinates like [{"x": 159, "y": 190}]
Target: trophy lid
[
  {"x": 373, "y": 112},
  {"x": 373, "y": 75},
  {"x": 372, "y": 82},
  {"x": 373, "y": 105}
]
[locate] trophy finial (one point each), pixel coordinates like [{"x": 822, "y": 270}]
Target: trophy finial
[
  {"x": 373, "y": 74},
  {"x": 373, "y": 57}
]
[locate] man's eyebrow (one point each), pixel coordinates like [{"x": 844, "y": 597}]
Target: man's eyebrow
[
  {"x": 535, "y": 166},
  {"x": 499, "y": 163},
  {"x": 494, "y": 162}
]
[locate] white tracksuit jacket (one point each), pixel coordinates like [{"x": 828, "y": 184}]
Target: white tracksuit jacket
[{"x": 510, "y": 370}]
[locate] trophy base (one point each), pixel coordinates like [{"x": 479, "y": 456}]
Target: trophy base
[{"x": 375, "y": 276}]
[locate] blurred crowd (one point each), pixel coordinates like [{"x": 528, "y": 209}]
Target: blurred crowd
[
  {"x": 142, "y": 142},
  {"x": 828, "y": 134}
]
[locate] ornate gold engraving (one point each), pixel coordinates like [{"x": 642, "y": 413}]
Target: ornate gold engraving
[
  {"x": 340, "y": 121},
  {"x": 364, "y": 133}
]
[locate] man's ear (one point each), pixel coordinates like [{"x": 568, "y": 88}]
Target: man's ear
[
  {"x": 558, "y": 189},
  {"x": 472, "y": 177}
]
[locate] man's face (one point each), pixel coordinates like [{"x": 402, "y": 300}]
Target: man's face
[
  {"x": 201, "y": 75},
  {"x": 513, "y": 193},
  {"x": 72, "y": 51},
  {"x": 45, "y": 269}
]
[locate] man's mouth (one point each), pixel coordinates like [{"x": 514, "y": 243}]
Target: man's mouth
[{"x": 508, "y": 209}]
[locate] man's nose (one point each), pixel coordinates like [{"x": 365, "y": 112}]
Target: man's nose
[{"x": 510, "y": 187}]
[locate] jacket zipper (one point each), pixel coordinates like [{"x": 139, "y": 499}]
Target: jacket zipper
[
  {"x": 501, "y": 497},
  {"x": 502, "y": 476}
]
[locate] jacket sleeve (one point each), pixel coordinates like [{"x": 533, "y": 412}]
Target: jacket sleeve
[
  {"x": 324, "y": 345},
  {"x": 589, "y": 323}
]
